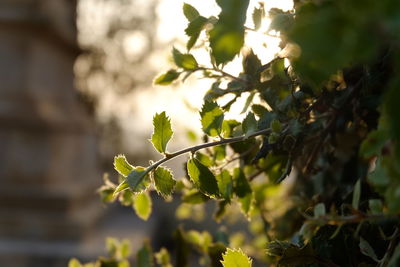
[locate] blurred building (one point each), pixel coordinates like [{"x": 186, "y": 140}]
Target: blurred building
[{"x": 48, "y": 152}]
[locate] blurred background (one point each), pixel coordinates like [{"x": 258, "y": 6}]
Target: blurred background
[{"x": 76, "y": 89}]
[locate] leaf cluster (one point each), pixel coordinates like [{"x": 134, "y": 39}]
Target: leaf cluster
[{"x": 315, "y": 161}]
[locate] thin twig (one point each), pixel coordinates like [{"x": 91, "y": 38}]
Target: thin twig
[
  {"x": 223, "y": 73},
  {"x": 193, "y": 149}
]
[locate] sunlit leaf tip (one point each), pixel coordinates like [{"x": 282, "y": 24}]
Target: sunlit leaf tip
[
  {"x": 142, "y": 205},
  {"x": 162, "y": 132},
  {"x": 167, "y": 77},
  {"x": 235, "y": 258},
  {"x": 122, "y": 166}
]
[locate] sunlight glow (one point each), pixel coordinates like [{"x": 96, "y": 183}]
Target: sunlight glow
[{"x": 135, "y": 110}]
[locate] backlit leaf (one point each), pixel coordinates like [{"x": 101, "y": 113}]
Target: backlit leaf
[
  {"x": 227, "y": 36},
  {"x": 167, "y": 77},
  {"x": 202, "y": 177},
  {"x": 185, "y": 61},
  {"x": 193, "y": 30},
  {"x": 164, "y": 181},
  {"x": 212, "y": 118},
  {"x": 162, "y": 132},
  {"x": 225, "y": 184},
  {"x": 249, "y": 124},
  {"x": 143, "y": 205},
  {"x": 235, "y": 258},
  {"x": 74, "y": 263},
  {"x": 243, "y": 190},
  {"x": 258, "y": 14},
  {"x": 163, "y": 258},
  {"x": 122, "y": 166},
  {"x": 190, "y": 12}
]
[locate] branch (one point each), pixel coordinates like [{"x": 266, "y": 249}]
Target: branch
[
  {"x": 193, "y": 149},
  {"x": 223, "y": 73}
]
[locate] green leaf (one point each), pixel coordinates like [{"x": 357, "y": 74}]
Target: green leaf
[
  {"x": 143, "y": 205},
  {"x": 201, "y": 240},
  {"x": 243, "y": 190},
  {"x": 137, "y": 180},
  {"x": 202, "y": 178},
  {"x": 225, "y": 43},
  {"x": 204, "y": 159},
  {"x": 225, "y": 184},
  {"x": 212, "y": 118},
  {"x": 375, "y": 206},
  {"x": 112, "y": 245},
  {"x": 258, "y": 14},
  {"x": 319, "y": 210},
  {"x": 374, "y": 142},
  {"x": 145, "y": 256},
  {"x": 367, "y": 250},
  {"x": 190, "y": 12},
  {"x": 228, "y": 127},
  {"x": 167, "y": 77},
  {"x": 185, "y": 61},
  {"x": 74, "y": 263},
  {"x": 121, "y": 187},
  {"x": 125, "y": 248},
  {"x": 227, "y": 36},
  {"x": 193, "y": 30},
  {"x": 249, "y": 124},
  {"x": 242, "y": 186},
  {"x": 164, "y": 181},
  {"x": 162, "y": 132},
  {"x": 122, "y": 166},
  {"x": 235, "y": 258},
  {"x": 356, "y": 195},
  {"x": 276, "y": 126},
  {"x": 163, "y": 258}
]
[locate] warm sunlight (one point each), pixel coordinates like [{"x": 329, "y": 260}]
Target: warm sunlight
[{"x": 138, "y": 106}]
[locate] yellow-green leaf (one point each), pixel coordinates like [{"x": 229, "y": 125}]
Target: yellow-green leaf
[
  {"x": 143, "y": 205},
  {"x": 162, "y": 132},
  {"x": 74, "y": 263},
  {"x": 167, "y": 77},
  {"x": 164, "y": 181},
  {"x": 122, "y": 166},
  {"x": 163, "y": 258},
  {"x": 235, "y": 258},
  {"x": 212, "y": 117},
  {"x": 185, "y": 61}
]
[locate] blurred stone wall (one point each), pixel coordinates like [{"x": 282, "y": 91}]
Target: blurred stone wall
[{"x": 48, "y": 150}]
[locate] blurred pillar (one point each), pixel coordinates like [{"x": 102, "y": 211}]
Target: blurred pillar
[{"x": 48, "y": 152}]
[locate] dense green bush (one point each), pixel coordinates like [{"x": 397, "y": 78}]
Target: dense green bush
[{"x": 314, "y": 167}]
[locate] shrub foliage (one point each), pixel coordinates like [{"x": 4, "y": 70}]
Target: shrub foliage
[{"x": 314, "y": 165}]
